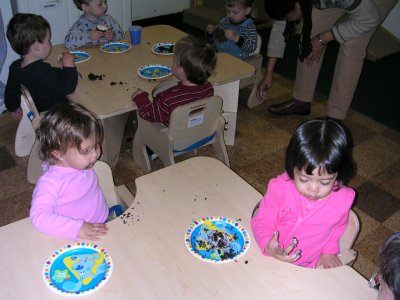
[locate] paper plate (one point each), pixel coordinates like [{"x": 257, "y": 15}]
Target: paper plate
[
  {"x": 80, "y": 56},
  {"x": 77, "y": 269},
  {"x": 116, "y": 47},
  {"x": 154, "y": 71},
  {"x": 217, "y": 239},
  {"x": 163, "y": 48}
]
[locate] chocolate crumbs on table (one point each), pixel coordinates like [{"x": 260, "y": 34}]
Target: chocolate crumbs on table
[{"x": 92, "y": 76}]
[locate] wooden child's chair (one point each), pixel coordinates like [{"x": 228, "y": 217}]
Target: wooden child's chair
[
  {"x": 115, "y": 195},
  {"x": 347, "y": 255},
  {"x": 255, "y": 59},
  {"x": 191, "y": 126},
  {"x": 26, "y": 142}
]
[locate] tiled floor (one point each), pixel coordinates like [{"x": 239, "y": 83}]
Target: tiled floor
[{"x": 258, "y": 156}]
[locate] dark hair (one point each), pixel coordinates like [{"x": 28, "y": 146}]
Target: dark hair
[
  {"x": 197, "y": 57},
  {"x": 66, "y": 126},
  {"x": 390, "y": 263},
  {"x": 322, "y": 144},
  {"x": 79, "y": 3},
  {"x": 25, "y": 29},
  {"x": 279, "y": 9}
]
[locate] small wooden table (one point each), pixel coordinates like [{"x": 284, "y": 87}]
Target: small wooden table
[
  {"x": 110, "y": 98},
  {"x": 150, "y": 257}
]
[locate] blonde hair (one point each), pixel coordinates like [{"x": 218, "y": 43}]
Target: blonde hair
[{"x": 197, "y": 58}]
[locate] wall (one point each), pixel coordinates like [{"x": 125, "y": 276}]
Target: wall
[
  {"x": 392, "y": 22},
  {"x": 6, "y": 12},
  {"x": 142, "y": 9}
]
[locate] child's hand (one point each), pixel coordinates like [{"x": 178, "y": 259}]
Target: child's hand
[
  {"x": 95, "y": 35},
  {"x": 135, "y": 93},
  {"x": 92, "y": 231},
  {"x": 231, "y": 35},
  {"x": 67, "y": 59},
  {"x": 210, "y": 29},
  {"x": 109, "y": 35},
  {"x": 327, "y": 261},
  {"x": 17, "y": 115},
  {"x": 275, "y": 250}
]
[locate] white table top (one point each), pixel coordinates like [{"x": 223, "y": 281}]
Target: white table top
[
  {"x": 151, "y": 260},
  {"x": 112, "y": 95}
]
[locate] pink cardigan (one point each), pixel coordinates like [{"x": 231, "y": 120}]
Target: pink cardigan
[{"x": 318, "y": 225}]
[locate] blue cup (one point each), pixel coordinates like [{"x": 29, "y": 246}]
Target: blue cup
[{"x": 136, "y": 34}]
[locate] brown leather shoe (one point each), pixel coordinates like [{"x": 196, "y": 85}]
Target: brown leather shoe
[{"x": 291, "y": 107}]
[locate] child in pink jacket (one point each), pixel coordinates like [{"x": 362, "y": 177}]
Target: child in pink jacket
[{"x": 305, "y": 210}]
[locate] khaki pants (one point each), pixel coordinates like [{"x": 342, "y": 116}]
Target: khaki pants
[{"x": 348, "y": 66}]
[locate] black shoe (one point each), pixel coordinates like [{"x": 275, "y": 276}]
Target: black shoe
[{"x": 291, "y": 107}]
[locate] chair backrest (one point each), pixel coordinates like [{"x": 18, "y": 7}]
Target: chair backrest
[
  {"x": 350, "y": 234},
  {"x": 258, "y": 49},
  {"x": 106, "y": 181},
  {"x": 31, "y": 110},
  {"x": 25, "y": 136},
  {"x": 194, "y": 122}
]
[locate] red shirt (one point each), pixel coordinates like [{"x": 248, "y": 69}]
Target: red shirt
[{"x": 160, "y": 109}]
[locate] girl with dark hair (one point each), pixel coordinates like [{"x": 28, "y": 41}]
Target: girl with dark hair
[
  {"x": 305, "y": 210},
  {"x": 349, "y": 22}
]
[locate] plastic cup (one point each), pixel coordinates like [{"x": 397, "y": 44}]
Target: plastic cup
[{"x": 136, "y": 34}]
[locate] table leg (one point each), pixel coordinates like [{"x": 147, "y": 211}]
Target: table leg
[
  {"x": 229, "y": 92},
  {"x": 114, "y": 128}
]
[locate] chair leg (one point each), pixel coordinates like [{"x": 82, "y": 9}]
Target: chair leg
[
  {"x": 253, "y": 101},
  {"x": 140, "y": 155},
  {"x": 219, "y": 144}
]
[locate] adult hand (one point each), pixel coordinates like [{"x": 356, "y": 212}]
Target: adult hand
[
  {"x": 210, "y": 29},
  {"x": 67, "y": 59},
  {"x": 316, "y": 53},
  {"x": 95, "y": 35},
  {"x": 275, "y": 249},
  {"x": 327, "y": 261},
  {"x": 92, "y": 231},
  {"x": 264, "y": 85}
]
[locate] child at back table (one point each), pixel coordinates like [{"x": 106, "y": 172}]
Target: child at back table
[
  {"x": 235, "y": 34},
  {"x": 305, "y": 210},
  {"x": 94, "y": 26},
  {"x": 67, "y": 201},
  {"x": 29, "y": 36},
  {"x": 194, "y": 62}
]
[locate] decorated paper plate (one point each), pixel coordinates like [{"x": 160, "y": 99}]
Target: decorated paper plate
[
  {"x": 154, "y": 71},
  {"x": 217, "y": 239},
  {"x": 163, "y": 48},
  {"x": 77, "y": 269},
  {"x": 117, "y": 47},
  {"x": 80, "y": 56}
]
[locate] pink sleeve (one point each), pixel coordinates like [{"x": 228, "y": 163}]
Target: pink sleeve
[
  {"x": 263, "y": 223},
  {"x": 332, "y": 246},
  {"x": 43, "y": 215}
]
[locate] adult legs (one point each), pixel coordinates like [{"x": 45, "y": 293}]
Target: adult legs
[
  {"x": 348, "y": 67},
  {"x": 306, "y": 76}
]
